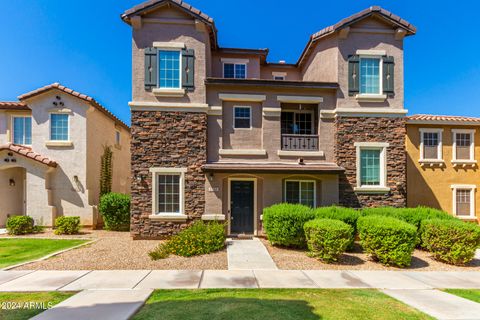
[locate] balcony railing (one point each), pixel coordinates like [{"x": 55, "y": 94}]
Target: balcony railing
[{"x": 300, "y": 142}]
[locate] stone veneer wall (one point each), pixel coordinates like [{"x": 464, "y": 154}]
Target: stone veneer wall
[
  {"x": 167, "y": 139},
  {"x": 362, "y": 129}
]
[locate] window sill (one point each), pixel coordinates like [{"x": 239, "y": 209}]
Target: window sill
[
  {"x": 168, "y": 217},
  {"x": 432, "y": 162},
  {"x": 467, "y": 218},
  {"x": 371, "y": 189},
  {"x": 164, "y": 92},
  {"x": 213, "y": 217},
  {"x": 242, "y": 152},
  {"x": 59, "y": 144},
  {"x": 371, "y": 97},
  {"x": 464, "y": 163},
  {"x": 284, "y": 153}
]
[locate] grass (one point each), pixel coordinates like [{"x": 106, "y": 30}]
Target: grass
[
  {"x": 278, "y": 304},
  {"x": 15, "y": 251},
  {"x": 20, "y": 306},
  {"x": 470, "y": 294}
]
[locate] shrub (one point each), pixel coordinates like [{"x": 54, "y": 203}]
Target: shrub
[
  {"x": 388, "y": 240},
  {"x": 200, "y": 238},
  {"x": 327, "y": 239},
  {"x": 283, "y": 224},
  {"x": 115, "y": 210},
  {"x": 413, "y": 216},
  {"x": 450, "y": 241},
  {"x": 67, "y": 225},
  {"x": 347, "y": 215},
  {"x": 20, "y": 225}
]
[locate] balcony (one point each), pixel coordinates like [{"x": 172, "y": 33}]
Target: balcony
[{"x": 299, "y": 142}]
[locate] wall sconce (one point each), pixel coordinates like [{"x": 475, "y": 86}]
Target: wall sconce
[
  {"x": 11, "y": 182},
  {"x": 210, "y": 176},
  {"x": 75, "y": 178}
]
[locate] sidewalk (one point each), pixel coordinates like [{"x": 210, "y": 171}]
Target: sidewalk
[{"x": 248, "y": 255}]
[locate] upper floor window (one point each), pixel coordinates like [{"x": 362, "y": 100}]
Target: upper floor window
[
  {"x": 463, "y": 145},
  {"x": 242, "y": 118},
  {"x": 431, "y": 144},
  {"x": 22, "y": 130},
  {"x": 169, "y": 69},
  {"x": 297, "y": 122},
  {"x": 279, "y": 75},
  {"x": 371, "y": 166},
  {"x": 370, "y": 80},
  {"x": 117, "y": 137},
  {"x": 235, "y": 70},
  {"x": 300, "y": 191},
  {"x": 59, "y": 130}
]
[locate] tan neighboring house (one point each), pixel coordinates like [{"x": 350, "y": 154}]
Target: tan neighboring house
[
  {"x": 51, "y": 142},
  {"x": 221, "y": 133},
  {"x": 442, "y": 164}
]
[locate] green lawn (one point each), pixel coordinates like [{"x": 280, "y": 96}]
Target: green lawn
[
  {"x": 470, "y": 294},
  {"x": 20, "y": 306},
  {"x": 14, "y": 251},
  {"x": 278, "y": 304}
]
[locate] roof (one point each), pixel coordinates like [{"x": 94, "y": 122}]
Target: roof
[
  {"x": 271, "y": 83},
  {"x": 13, "y": 105},
  {"x": 28, "y": 153},
  {"x": 434, "y": 119},
  {"x": 374, "y": 10},
  {"x": 90, "y": 100},
  {"x": 273, "y": 167}
]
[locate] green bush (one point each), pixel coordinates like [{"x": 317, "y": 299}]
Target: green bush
[
  {"x": 115, "y": 210},
  {"x": 413, "y": 216},
  {"x": 200, "y": 238},
  {"x": 20, "y": 225},
  {"x": 327, "y": 239},
  {"x": 67, "y": 225},
  {"x": 283, "y": 224},
  {"x": 347, "y": 215},
  {"x": 450, "y": 241},
  {"x": 388, "y": 240}
]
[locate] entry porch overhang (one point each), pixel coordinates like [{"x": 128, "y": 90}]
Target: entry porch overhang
[
  {"x": 24, "y": 152},
  {"x": 273, "y": 167}
]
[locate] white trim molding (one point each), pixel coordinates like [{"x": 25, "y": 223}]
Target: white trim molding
[
  {"x": 213, "y": 217},
  {"x": 167, "y": 106},
  {"x": 271, "y": 112},
  {"x": 304, "y": 154},
  {"x": 168, "y": 45},
  {"x": 382, "y": 187},
  {"x": 242, "y": 152},
  {"x": 361, "y": 112},
  {"x": 464, "y": 162},
  {"x": 439, "y": 159},
  {"x": 235, "y": 61},
  {"x": 215, "y": 111},
  {"x": 300, "y": 99},
  {"x": 371, "y": 52},
  {"x": 472, "y": 189},
  {"x": 54, "y": 143},
  {"x": 242, "y": 97},
  {"x": 362, "y": 97},
  {"x": 235, "y": 107},
  {"x": 168, "y": 92},
  {"x": 168, "y": 216}
]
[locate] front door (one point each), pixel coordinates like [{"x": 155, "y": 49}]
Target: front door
[{"x": 241, "y": 207}]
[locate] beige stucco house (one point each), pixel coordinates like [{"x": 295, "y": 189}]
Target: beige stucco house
[
  {"x": 51, "y": 141},
  {"x": 220, "y": 133}
]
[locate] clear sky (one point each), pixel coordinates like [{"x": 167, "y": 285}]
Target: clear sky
[{"x": 84, "y": 45}]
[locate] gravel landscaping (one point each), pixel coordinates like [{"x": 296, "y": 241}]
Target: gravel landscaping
[
  {"x": 117, "y": 251},
  {"x": 291, "y": 259}
]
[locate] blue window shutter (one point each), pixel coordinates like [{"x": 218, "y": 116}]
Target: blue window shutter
[
  {"x": 188, "y": 69},
  {"x": 353, "y": 75},
  {"x": 388, "y": 70},
  {"x": 151, "y": 68}
]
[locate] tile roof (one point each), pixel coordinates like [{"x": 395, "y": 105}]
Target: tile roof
[
  {"x": 74, "y": 93},
  {"x": 28, "y": 153},
  {"x": 13, "y": 105},
  {"x": 424, "y": 118}
]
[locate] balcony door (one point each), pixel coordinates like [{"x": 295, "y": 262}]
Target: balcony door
[{"x": 297, "y": 122}]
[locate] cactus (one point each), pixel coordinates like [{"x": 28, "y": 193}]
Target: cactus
[{"x": 106, "y": 171}]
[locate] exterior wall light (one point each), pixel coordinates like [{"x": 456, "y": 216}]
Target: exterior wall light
[{"x": 11, "y": 182}]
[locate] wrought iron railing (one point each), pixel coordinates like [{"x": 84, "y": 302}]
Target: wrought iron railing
[{"x": 299, "y": 142}]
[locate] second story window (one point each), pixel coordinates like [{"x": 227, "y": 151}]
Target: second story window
[
  {"x": 117, "y": 137},
  {"x": 463, "y": 145},
  {"x": 242, "y": 118},
  {"x": 169, "y": 69},
  {"x": 234, "y": 70},
  {"x": 59, "y": 130},
  {"x": 370, "y": 81},
  {"x": 430, "y": 144},
  {"x": 22, "y": 130},
  {"x": 297, "y": 122}
]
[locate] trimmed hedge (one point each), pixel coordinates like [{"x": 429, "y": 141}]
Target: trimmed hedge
[
  {"x": 20, "y": 225},
  {"x": 451, "y": 241},
  {"x": 388, "y": 240},
  {"x": 67, "y": 225},
  {"x": 347, "y": 215},
  {"x": 327, "y": 239},
  {"x": 115, "y": 210},
  {"x": 413, "y": 216},
  {"x": 283, "y": 224},
  {"x": 200, "y": 238}
]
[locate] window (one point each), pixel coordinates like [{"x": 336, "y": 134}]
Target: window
[
  {"x": 300, "y": 191},
  {"x": 278, "y": 77},
  {"x": 59, "y": 127},
  {"x": 464, "y": 200},
  {"x": 370, "y": 80},
  {"x": 371, "y": 166},
  {"x": 117, "y": 137},
  {"x": 297, "y": 122},
  {"x": 168, "y": 191},
  {"x": 235, "y": 70},
  {"x": 242, "y": 118},
  {"x": 169, "y": 68},
  {"x": 463, "y": 145},
  {"x": 430, "y": 144},
  {"x": 22, "y": 130}
]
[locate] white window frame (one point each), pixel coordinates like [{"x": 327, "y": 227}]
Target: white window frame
[
  {"x": 472, "y": 189},
  {"x": 68, "y": 127},
  {"x": 234, "y": 62},
  {"x": 282, "y": 75},
  {"x": 439, "y": 131},
  {"x": 118, "y": 137},
  {"x": 13, "y": 128},
  {"x": 471, "y": 159},
  {"x": 179, "y": 68},
  {"x": 299, "y": 191},
  {"x": 168, "y": 171},
  {"x": 382, "y": 146},
  {"x": 250, "y": 126},
  {"x": 312, "y": 112},
  {"x": 380, "y": 75}
]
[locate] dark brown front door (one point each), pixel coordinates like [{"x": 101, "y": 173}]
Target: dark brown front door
[{"x": 241, "y": 207}]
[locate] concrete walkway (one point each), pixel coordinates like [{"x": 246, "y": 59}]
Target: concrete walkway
[{"x": 248, "y": 255}]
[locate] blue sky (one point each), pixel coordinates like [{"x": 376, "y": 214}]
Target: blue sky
[{"x": 85, "y": 46}]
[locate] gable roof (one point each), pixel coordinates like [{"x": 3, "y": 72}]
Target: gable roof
[
  {"x": 28, "y": 153},
  {"x": 90, "y": 100},
  {"x": 371, "y": 11},
  {"x": 13, "y": 105},
  {"x": 434, "y": 119}
]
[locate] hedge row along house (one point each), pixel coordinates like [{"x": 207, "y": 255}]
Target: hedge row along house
[
  {"x": 220, "y": 133},
  {"x": 51, "y": 142}
]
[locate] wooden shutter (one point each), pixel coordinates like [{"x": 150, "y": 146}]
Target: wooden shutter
[
  {"x": 151, "y": 68},
  {"x": 188, "y": 69},
  {"x": 353, "y": 75},
  {"x": 388, "y": 66}
]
